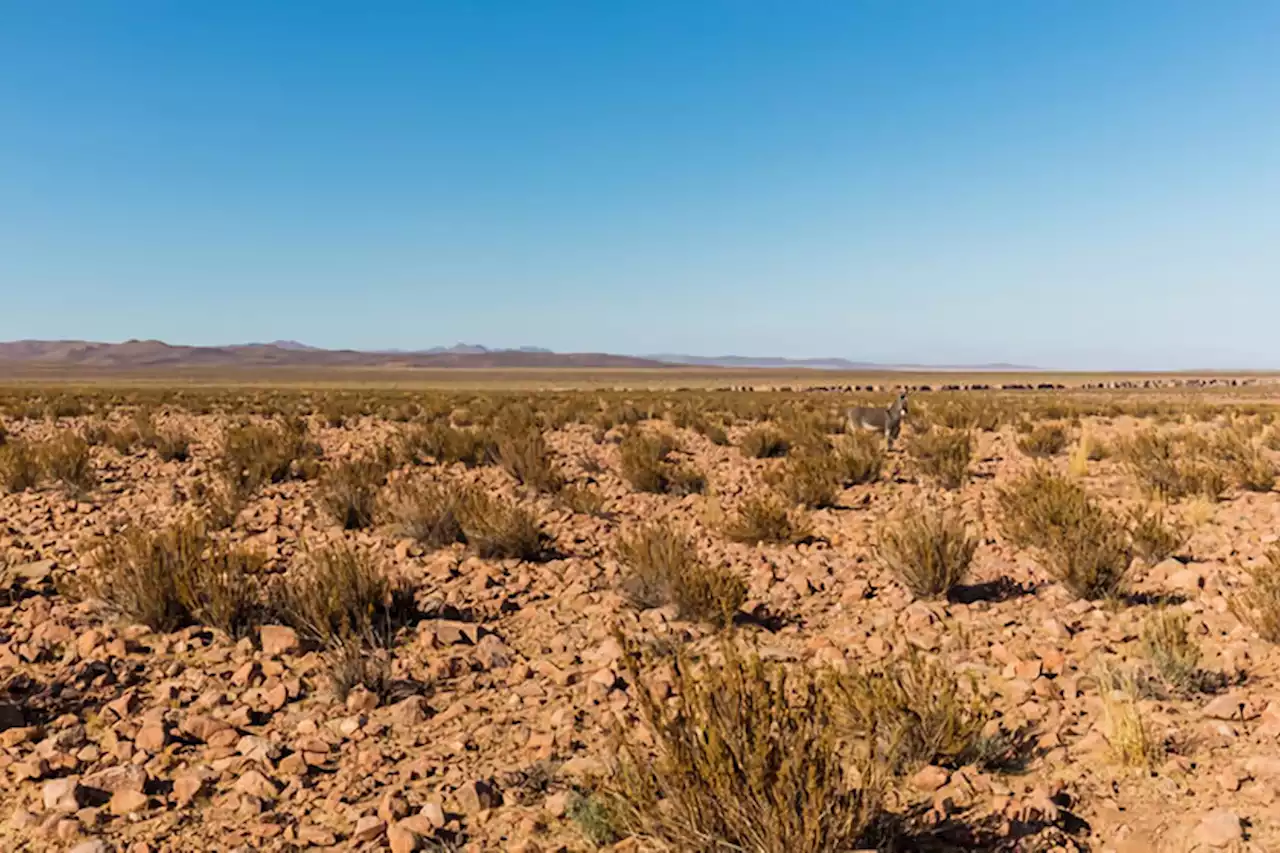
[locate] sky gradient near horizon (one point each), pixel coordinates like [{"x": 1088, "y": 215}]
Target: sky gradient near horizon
[{"x": 1064, "y": 184}]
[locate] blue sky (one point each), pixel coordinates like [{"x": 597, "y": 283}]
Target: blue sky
[{"x": 1070, "y": 184}]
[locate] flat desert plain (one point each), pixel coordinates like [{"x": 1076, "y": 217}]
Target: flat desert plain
[{"x": 366, "y": 618}]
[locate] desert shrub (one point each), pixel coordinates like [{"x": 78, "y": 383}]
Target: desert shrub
[
  {"x": 943, "y": 455},
  {"x": 343, "y": 596},
  {"x": 1173, "y": 466},
  {"x": 581, "y": 499},
  {"x": 444, "y": 444},
  {"x": 746, "y": 756},
  {"x": 1155, "y": 538},
  {"x": 173, "y": 445},
  {"x": 350, "y": 664},
  {"x": 811, "y": 479},
  {"x": 645, "y": 466},
  {"x": 121, "y": 439},
  {"x": 1043, "y": 441},
  {"x": 523, "y": 453},
  {"x": 967, "y": 413},
  {"x": 663, "y": 567},
  {"x": 1245, "y": 461},
  {"x": 498, "y": 529},
  {"x": 1125, "y": 729},
  {"x": 429, "y": 513},
  {"x": 913, "y": 711},
  {"x": 860, "y": 458},
  {"x": 65, "y": 459},
  {"x": 929, "y": 550},
  {"x": 764, "y": 442},
  {"x": 1082, "y": 545},
  {"x": 256, "y": 454},
  {"x": 19, "y": 469},
  {"x": 1258, "y": 605},
  {"x": 763, "y": 517},
  {"x": 1171, "y": 649},
  {"x": 177, "y": 576},
  {"x": 348, "y": 491}
]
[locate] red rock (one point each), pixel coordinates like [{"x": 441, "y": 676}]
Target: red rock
[
  {"x": 186, "y": 788},
  {"x": 128, "y": 802},
  {"x": 368, "y": 828},
  {"x": 256, "y": 785},
  {"x": 929, "y": 779},
  {"x": 63, "y": 795},
  {"x": 402, "y": 839},
  {"x": 1218, "y": 829},
  {"x": 151, "y": 738},
  {"x": 278, "y": 640}
]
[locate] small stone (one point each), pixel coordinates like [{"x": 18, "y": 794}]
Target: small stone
[
  {"x": 930, "y": 779},
  {"x": 556, "y": 805},
  {"x": 410, "y": 712},
  {"x": 187, "y": 788},
  {"x": 151, "y": 738},
  {"x": 402, "y": 839},
  {"x": 369, "y": 827},
  {"x": 434, "y": 813},
  {"x": 478, "y": 796},
  {"x": 255, "y": 784},
  {"x": 128, "y": 802},
  {"x": 1231, "y": 706},
  {"x": 1218, "y": 829},
  {"x": 277, "y": 640},
  {"x": 63, "y": 795},
  {"x": 93, "y": 845}
]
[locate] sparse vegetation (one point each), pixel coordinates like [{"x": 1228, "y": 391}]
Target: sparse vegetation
[
  {"x": 19, "y": 469},
  {"x": 1258, "y": 605},
  {"x": 943, "y": 455},
  {"x": 1083, "y": 545},
  {"x": 764, "y": 517},
  {"x": 1043, "y": 441},
  {"x": 343, "y": 596},
  {"x": 646, "y": 467},
  {"x": 1154, "y": 537},
  {"x": 1171, "y": 649},
  {"x": 764, "y": 442},
  {"x": 663, "y": 567},
  {"x": 427, "y": 512},
  {"x": 929, "y": 550},
  {"x": 65, "y": 459},
  {"x": 257, "y": 454},
  {"x": 746, "y": 756},
  {"x": 348, "y": 491},
  {"x": 1173, "y": 466},
  {"x": 497, "y": 529},
  {"x": 177, "y": 576},
  {"x": 913, "y": 711}
]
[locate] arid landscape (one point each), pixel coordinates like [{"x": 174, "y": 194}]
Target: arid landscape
[{"x": 357, "y": 619}]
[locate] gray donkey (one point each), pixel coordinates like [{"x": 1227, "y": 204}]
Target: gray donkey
[{"x": 888, "y": 421}]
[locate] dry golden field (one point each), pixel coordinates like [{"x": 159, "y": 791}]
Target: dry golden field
[{"x": 474, "y": 612}]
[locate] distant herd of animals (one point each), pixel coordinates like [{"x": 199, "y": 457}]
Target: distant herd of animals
[{"x": 1118, "y": 384}]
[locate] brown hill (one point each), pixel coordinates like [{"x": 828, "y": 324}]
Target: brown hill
[{"x": 152, "y": 354}]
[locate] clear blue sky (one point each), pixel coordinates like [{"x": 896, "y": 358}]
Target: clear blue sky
[{"x": 1084, "y": 183}]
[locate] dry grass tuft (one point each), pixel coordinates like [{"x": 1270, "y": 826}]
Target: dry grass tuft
[
  {"x": 1043, "y": 441},
  {"x": 764, "y": 517},
  {"x": 646, "y": 467},
  {"x": 764, "y": 442},
  {"x": 523, "y": 453},
  {"x": 1172, "y": 466},
  {"x": 811, "y": 479},
  {"x": 65, "y": 459},
  {"x": 1083, "y": 545},
  {"x": 929, "y": 550},
  {"x": 177, "y": 576},
  {"x": 429, "y": 513},
  {"x": 1249, "y": 466},
  {"x": 343, "y": 596},
  {"x": 1154, "y": 537},
  {"x": 19, "y": 469},
  {"x": 860, "y": 458},
  {"x": 943, "y": 455},
  {"x": 583, "y": 500},
  {"x": 445, "y": 444},
  {"x": 663, "y": 567},
  {"x": 352, "y": 663},
  {"x": 1258, "y": 605},
  {"x": 497, "y": 529},
  {"x": 1126, "y": 731},
  {"x": 913, "y": 711},
  {"x": 746, "y": 756},
  {"x": 348, "y": 491},
  {"x": 1171, "y": 649},
  {"x": 257, "y": 454}
]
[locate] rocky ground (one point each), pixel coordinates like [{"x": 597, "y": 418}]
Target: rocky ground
[{"x": 114, "y": 737}]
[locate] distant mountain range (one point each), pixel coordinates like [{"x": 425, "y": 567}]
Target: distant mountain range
[
  {"x": 284, "y": 353},
  {"x": 158, "y": 354}
]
